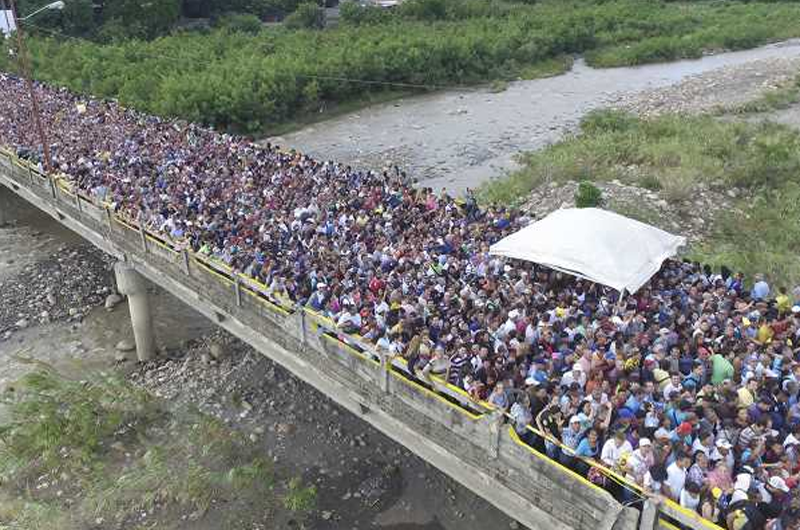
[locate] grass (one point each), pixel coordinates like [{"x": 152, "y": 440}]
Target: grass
[
  {"x": 776, "y": 99},
  {"x": 672, "y": 155},
  {"x": 76, "y": 452},
  {"x": 547, "y": 68},
  {"x": 763, "y": 235}
]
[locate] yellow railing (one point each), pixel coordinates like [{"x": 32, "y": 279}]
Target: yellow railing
[{"x": 440, "y": 389}]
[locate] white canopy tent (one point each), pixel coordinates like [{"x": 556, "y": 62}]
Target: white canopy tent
[{"x": 598, "y": 245}]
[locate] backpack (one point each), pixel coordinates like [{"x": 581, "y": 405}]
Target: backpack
[{"x": 744, "y": 515}]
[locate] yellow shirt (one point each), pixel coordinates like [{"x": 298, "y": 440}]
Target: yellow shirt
[
  {"x": 745, "y": 397},
  {"x": 783, "y": 303},
  {"x": 764, "y": 334}
]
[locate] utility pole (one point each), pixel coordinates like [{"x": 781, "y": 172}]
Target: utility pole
[{"x": 26, "y": 72}]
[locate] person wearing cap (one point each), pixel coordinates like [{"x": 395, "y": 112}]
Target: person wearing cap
[
  {"x": 723, "y": 452},
  {"x": 683, "y": 434},
  {"x": 710, "y": 504},
  {"x": 571, "y": 436},
  {"x": 641, "y": 460},
  {"x": 576, "y": 375}
]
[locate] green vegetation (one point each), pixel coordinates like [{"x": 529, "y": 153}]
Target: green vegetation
[
  {"x": 588, "y": 195},
  {"x": 779, "y": 98},
  {"x": 308, "y": 15},
  {"x": 239, "y": 79},
  {"x": 107, "y": 21},
  {"x": 672, "y": 154},
  {"x": 300, "y": 499},
  {"x": 238, "y": 22},
  {"x": 73, "y": 453}
]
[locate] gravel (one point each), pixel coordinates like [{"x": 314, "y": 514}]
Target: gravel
[
  {"x": 719, "y": 89},
  {"x": 63, "y": 287},
  {"x": 690, "y": 218}
]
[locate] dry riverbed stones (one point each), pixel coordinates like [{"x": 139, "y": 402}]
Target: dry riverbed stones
[{"x": 64, "y": 287}]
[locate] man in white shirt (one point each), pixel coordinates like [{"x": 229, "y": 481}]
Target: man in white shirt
[
  {"x": 614, "y": 448},
  {"x": 676, "y": 476}
]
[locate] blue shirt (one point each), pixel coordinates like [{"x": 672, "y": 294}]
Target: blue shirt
[
  {"x": 585, "y": 450},
  {"x": 760, "y": 290}
]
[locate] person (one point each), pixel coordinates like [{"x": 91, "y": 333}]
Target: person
[
  {"x": 522, "y": 417},
  {"x": 614, "y": 449},
  {"x": 690, "y": 496},
  {"x": 676, "y": 477},
  {"x": 640, "y": 461},
  {"x": 571, "y": 436}
]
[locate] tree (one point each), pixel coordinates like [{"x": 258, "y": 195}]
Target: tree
[
  {"x": 307, "y": 16},
  {"x": 142, "y": 18}
]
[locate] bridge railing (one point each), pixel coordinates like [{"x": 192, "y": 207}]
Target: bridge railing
[{"x": 475, "y": 421}]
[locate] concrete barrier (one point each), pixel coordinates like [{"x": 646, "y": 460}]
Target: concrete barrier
[{"x": 466, "y": 440}]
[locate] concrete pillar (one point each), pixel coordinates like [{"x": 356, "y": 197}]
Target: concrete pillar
[
  {"x": 5, "y": 206},
  {"x": 385, "y": 373},
  {"x": 133, "y": 285},
  {"x": 496, "y": 421},
  {"x": 649, "y": 518}
]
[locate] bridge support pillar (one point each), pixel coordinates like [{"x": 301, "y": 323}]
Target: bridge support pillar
[
  {"x": 649, "y": 518},
  {"x": 5, "y": 205},
  {"x": 133, "y": 285}
]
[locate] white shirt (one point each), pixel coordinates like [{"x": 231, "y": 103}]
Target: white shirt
[
  {"x": 676, "y": 478},
  {"x": 689, "y": 501},
  {"x": 650, "y": 484},
  {"x": 611, "y": 452}
]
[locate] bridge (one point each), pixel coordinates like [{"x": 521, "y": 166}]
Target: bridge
[{"x": 470, "y": 441}]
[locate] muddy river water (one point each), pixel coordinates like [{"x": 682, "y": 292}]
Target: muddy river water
[{"x": 461, "y": 139}]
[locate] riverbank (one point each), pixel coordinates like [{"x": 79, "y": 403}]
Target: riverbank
[{"x": 458, "y": 140}]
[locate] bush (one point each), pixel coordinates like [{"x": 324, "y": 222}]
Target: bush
[
  {"x": 307, "y": 16},
  {"x": 588, "y": 195},
  {"x": 356, "y": 14},
  {"x": 428, "y": 10},
  {"x": 240, "y": 22},
  {"x": 598, "y": 121}
]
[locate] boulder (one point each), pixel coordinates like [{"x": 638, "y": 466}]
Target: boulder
[
  {"x": 125, "y": 345},
  {"x": 112, "y": 301}
]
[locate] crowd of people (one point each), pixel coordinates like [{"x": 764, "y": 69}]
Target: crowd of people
[{"x": 689, "y": 388}]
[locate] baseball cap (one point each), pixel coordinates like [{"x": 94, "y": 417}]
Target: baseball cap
[
  {"x": 684, "y": 429},
  {"x": 645, "y": 442},
  {"x": 779, "y": 484},
  {"x": 724, "y": 444}
]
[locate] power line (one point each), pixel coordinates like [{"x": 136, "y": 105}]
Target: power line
[{"x": 188, "y": 61}]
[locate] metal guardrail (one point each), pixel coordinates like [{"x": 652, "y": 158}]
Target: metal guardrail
[{"x": 670, "y": 515}]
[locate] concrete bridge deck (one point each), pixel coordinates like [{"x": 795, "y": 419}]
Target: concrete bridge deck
[{"x": 466, "y": 440}]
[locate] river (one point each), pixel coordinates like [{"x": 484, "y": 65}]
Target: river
[{"x": 460, "y": 139}]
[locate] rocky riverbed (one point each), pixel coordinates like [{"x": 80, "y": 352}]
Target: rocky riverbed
[
  {"x": 364, "y": 478},
  {"x": 65, "y": 285},
  {"x": 716, "y": 90}
]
